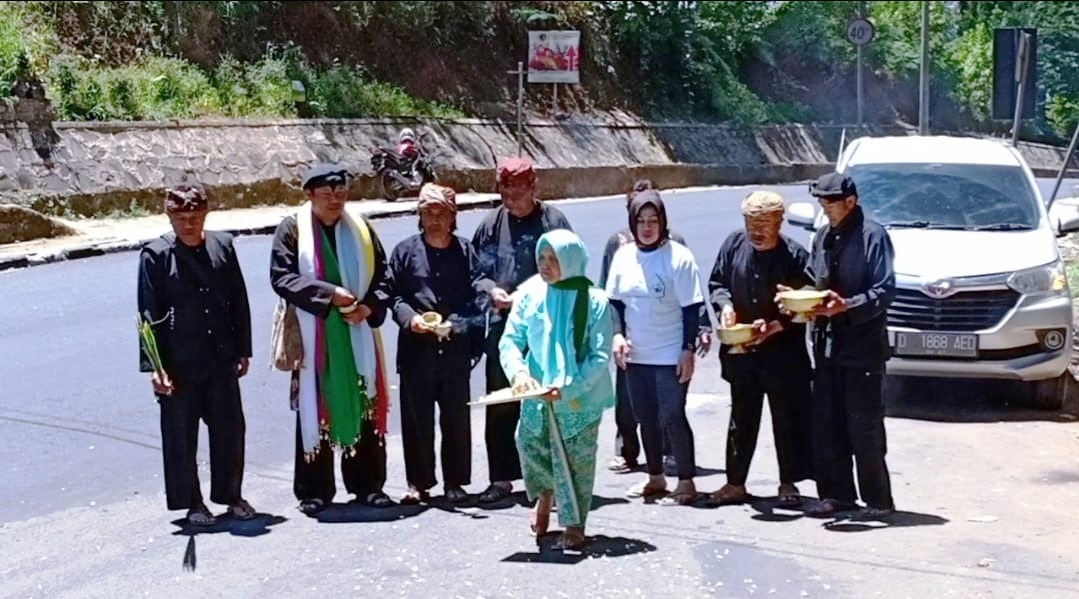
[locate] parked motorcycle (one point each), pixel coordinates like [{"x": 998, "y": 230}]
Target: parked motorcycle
[{"x": 400, "y": 175}]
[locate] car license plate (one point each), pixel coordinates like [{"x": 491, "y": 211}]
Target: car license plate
[{"x": 951, "y": 345}]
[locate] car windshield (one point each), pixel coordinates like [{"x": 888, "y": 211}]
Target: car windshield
[{"x": 947, "y": 196}]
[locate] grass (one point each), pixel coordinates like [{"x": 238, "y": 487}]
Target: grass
[
  {"x": 159, "y": 87},
  {"x": 168, "y": 88}
]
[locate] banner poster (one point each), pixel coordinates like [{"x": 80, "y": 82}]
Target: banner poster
[{"x": 554, "y": 56}]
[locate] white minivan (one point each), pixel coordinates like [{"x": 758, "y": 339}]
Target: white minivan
[{"x": 981, "y": 287}]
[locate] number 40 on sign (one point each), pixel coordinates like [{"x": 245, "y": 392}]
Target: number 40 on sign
[{"x": 860, "y": 31}]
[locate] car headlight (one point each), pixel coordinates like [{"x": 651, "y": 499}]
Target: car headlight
[{"x": 1043, "y": 279}]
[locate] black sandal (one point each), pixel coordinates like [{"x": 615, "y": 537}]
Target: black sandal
[
  {"x": 313, "y": 506},
  {"x": 200, "y": 516},
  {"x": 494, "y": 494},
  {"x": 377, "y": 499}
]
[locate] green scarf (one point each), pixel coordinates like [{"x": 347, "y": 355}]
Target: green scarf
[
  {"x": 580, "y": 310},
  {"x": 344, "y": 398}
]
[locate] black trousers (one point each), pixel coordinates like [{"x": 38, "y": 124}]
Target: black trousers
[
  {"x": 420, "y": 392},
  {"x": 626, "y": 442},
  {"x": 659, "y": 403},
  {"x": 215, "y": 401},
  {"x": 788, "y": 401},
  {"x": 500, "y": 425},
  {"x": 364, "y": 472},
  {"x": 848, "y": 421}
]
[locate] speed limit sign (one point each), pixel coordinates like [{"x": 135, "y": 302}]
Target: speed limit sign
[{"x": 860, "y": 31}]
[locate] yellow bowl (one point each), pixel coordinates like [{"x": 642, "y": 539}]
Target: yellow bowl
[
  {"x": 802, "y": 300},
  {"x": 431, "y": 319},
  {"x": 738, "y": 334}
]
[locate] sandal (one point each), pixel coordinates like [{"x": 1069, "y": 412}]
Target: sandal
[
  {"x": 620, "y": 465},
  {"x": 310, "y": 507},
  {"x": 730, "y": 495},
  {"x": 242, "y": 510},
  {"x": 570, "y": 540},
  {"x": 456, "y": 495},
  {"x": 684, "y": 494},
  {"x": 644, "y": 490},
  {"x": 377, "y": 499},
  {"x": 494, "y": 493},
  {"x": 413, "y": 497},
  {"x": 200, "y": 516},
  {"x": 789, "y": 496}
]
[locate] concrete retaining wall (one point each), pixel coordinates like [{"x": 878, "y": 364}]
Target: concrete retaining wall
[{"x": 90, "y": 168}]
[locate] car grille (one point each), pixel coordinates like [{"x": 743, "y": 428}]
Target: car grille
[{"x": 964, "y": 311}]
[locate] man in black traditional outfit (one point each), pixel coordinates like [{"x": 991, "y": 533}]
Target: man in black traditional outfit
[
  {"x": 436, "y": 271},
  {"x": 191, "y": 287},
  {"x": 505, "y": 242},
  {"x": 327, "y": 261},
  {"x": 750, "y": 266}
]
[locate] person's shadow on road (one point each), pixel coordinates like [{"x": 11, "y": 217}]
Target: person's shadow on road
[
  {"x": 769, "y": 510},
  {"x": 899, "y": 519},
  {"x": 357, "y": 512},
  {"x": 255, "y": 526},
  {"x": 598, "y": 546}
]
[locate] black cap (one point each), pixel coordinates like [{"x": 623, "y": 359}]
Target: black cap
[
  {"x": 324, "y": 173},
  {"x": 833, "y": 184}
]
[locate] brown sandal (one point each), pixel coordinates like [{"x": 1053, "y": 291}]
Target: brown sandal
[
  {"x": 242, "y": 510},
  {"x": 730, "y": 495}
]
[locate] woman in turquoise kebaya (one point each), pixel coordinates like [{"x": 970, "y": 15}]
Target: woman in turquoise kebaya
[{"x": 565, "y": 325}]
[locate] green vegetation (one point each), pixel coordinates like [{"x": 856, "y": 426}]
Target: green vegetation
[{"x": 748, "y": 63}]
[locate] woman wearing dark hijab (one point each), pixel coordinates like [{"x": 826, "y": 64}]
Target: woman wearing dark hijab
[{"x": 655, "y": 289}]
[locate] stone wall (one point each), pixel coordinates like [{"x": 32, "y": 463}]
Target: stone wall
[{"x": 91, "y": 168}]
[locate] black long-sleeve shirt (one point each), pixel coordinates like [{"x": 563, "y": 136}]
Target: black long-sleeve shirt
[
  {"x": 506, "y": 245},
  {"x": 855, "y": 260},
  {"x": 199, "y": 296},
  {"x": 313, "y": 295},
  {"x": 746, "y": 279},
  {"x": 444, "y": 280}
]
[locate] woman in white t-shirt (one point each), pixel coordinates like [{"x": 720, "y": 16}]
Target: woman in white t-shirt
[{"x": 655, "y": 290}]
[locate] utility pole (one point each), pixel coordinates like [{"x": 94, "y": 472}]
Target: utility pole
[
  {"x": 861, "y": 15},
  {"x": 520, "y": 72},
  {"x": 923, "y": 88}
]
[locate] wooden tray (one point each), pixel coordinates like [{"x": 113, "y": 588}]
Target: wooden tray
[{"x": 505, "y": 396}]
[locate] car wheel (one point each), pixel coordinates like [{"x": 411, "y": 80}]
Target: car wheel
[{"x": 1051, "y": 393}]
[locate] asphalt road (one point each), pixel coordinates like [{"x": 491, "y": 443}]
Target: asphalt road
[{"x": 83, "y": 512}]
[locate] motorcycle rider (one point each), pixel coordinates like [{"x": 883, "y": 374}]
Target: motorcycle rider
[{"x": 407, "y": 147}]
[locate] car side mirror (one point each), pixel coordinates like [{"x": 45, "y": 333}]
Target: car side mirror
[
  {"x": 1064, "y": 216},
  {"x": 802, "y": 215}
]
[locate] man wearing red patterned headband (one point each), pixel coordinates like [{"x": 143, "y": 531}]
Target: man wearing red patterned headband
[
  {"x": 505, "y": 243},
  {"x": 192, "y": 291}
]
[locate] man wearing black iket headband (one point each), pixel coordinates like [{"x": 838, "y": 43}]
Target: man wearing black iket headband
[{"x": 191, "y": 288}]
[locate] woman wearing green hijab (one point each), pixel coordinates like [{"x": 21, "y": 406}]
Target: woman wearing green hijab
[{"x": 565, "y": 325}]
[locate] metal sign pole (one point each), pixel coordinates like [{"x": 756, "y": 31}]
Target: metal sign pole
[
  {"x": 859, "y": 86},
  {"x": 1021, "y": 79},
  {"x": 520, "y": 107},
  {"x": 520, "y": 72},
  {"x": 923, "y": 91},
  {"x": 1064, "y": 166}
]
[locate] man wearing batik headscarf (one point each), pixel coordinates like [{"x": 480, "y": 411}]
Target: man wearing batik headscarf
[
  {"x": 436, "y": 272},
  {"x": 192, "y": 291},
  {"x": 505, "y": 242},
  {"x": 749, "y": 267},
  {"x": 564, "y": 324},
  {"x": 327, "y": 261}
]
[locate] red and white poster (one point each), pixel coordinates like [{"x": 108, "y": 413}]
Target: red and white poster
[{"x": 554, "y": 56}]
